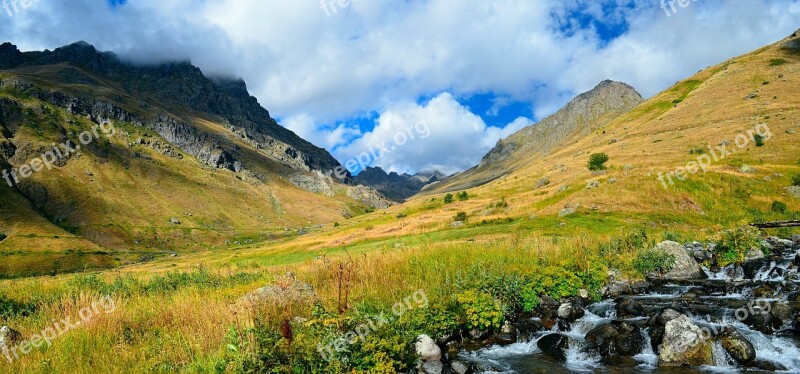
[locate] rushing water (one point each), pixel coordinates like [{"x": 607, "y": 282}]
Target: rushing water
[{"x": 714, "y": 311}]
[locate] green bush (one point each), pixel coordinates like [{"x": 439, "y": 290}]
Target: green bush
[
  {"x": 779, "y": 207},
  {"x": 460, "y": 216},
  {"x": 462, "y": 196},
  {"x": 448, "y": 198},
  {"x": 402, "y": 215},
  {"x": 735, "y": 244},
  {"x": 759, "y": 140},
  {"x": 479, "y": 310},
  {"x": 796, "y": 180},
  {"x": 502, "y": 204},
  {"x": 651, "y": 260},
  {"x": 597, "y": 161},
  {"x": 2, "y": 237},
  {"x": 777, "y": 62}
]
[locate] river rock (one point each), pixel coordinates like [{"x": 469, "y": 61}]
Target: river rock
[
  {"x": 570, "y": 311},
  {"x": 684, "y": 343},
  {"x": 757, "y": 318},
  {"x": 602, "y": 338},
  {"x": 630, "y": 340},
  {"x": 427, "y": 349},
  {"x": 459, "y": 367},
  {"x": 630, "y": 308},
  {"x": 554, "y": 345},
  {"x": 737, "y": 346},
  {"x": 781, "y": 312},
  {"x": 431, "y": 367},
  {"x": 685, "y": 266}
]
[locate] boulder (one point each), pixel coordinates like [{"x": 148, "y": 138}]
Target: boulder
[
  {"x": 431, "y": 367},
  {"x": 630, "y": 308},
  {"x": 602, "y": 338},
  {"x": 793, "y": 191},
  {"x": 459, "y": 367},
  {"x": 592, "y": 185},
  {"x": 570, "y": 312},
  {"x": 9, "y": 337},
  {"x": 554, "y": 345},
  {"x": 286, "y": 290},
  {"x": 684, "y": 343},
  {"x": 569, "y": 209},
  {"x": 737, "y": 346},
  {"x": 685, "y": 266},
  {"x": 542, "y": 182},
  {"x": 427, "y": 349},
  {"x": 630, "y": 340}
]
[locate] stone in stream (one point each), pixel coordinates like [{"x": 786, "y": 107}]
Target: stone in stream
[
  {"x": 737, "y": 346},
  {"x": 630, "y": 340},
  {"x": 570, "y": 311},
  {"x": 427, "y": 349},
  {"x": 602, "y": 338},
  {"x": 782, "y": 313},
  {"x": 630, "y": 308},
  {"x": 685, "y": 266},
  {"x": 684, "y": 343},
  {"x": 554, "y": 345},
  {"x": 763, "y": 291},
  {"x": 757, "y": 318}
]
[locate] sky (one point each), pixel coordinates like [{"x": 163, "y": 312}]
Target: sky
[{"x": 430, "y": 84}]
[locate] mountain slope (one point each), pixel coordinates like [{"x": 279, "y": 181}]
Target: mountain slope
[
  {"x": 397, "y": 187},
  {"x": 581, "y": 116}
]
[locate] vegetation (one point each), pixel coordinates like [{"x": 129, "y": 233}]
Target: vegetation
[
  {"x": 597, "y": 161},
  {"x": 462, "y": 196},
  {"x": 777, "y": 62},
  {"x": 448, "y": 198},
  {"x": 735, "y": 244},
  {"x": 779, "y": 207},
  {"x": 650, "y": 261},
  {"x": 460, "y": 216},
  {"x": 759, "y": 140},
  {"x": 796, "y": 180}
]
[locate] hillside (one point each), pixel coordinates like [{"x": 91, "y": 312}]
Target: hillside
[{"x": 174, "y": 161}]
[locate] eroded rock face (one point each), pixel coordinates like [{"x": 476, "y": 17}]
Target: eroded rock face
[
  {"x": 315, "y": 182},
  {"x": 685, "y": 343},
  {"x": 685, "y": 266},
  {"x": 368, "y": 196}
]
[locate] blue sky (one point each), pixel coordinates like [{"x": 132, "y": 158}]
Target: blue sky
[{"x": 349, "y": 77}]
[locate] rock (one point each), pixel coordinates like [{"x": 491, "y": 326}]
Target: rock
[
  {"x": 781, "y": 312},
  {"x": 175, "y": 221},
  {"x": 627, "y": 167},
  {"x": 368, "y": 196},
  {"x": 427, "y": 349},
  {"x": 617, "y": 361},
  {"x": 611, "y": 180},
  {"x": 602, "y": 338},
  {"x": 793, "y": 191},
  {"x": 757, "y": 318},
  {"x": 747, "y": 169},
  {"x": 563, "y": 188},
  {"x": 685, "y": 266},
  {"x": 593, "y": 185},
  {"x": 542, "y": 182},
  {"x": 554, "y": 345},
  {"x": 684, "y": 343},
  {"x": 457, "y": 224},
  {"x": 764, "y": 291},
  {"x": 460, "y": 367},
  {"x": 630, "y": 340},
  {"x": 286, "y": 290},
  {"x": 737, "y": 346},
  {"x": 477, "y": 334},
  {"x": 791, "y": 131},
  {"x": 767, "y": 366},
  {"x": 313, "y": 182},
  {"x": 569, "y": 209},
  {"x": 432, "y": 367},
  {"x": 630, "y": 308},
  {"x": 9, "y": 337},
  {"x": 570, "y": 312}
]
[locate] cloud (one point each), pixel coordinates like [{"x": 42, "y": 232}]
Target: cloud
[
  {"x": 318, "y": 71},
  {"x": 440, "y": 135}
]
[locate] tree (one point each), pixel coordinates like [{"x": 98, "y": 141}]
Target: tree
[
  {"x": 597, "y": 161},
  {"x": 759, "y": 140},
  {"x": 448, "y": 198},
  {"x": 463, "y": 196}
]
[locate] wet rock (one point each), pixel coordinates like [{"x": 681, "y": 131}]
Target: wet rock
[
  {"x": 554, "y": 345},
  {"x": 507, "y": 335},
  {"x": 767, "y": 365},
  {"x": 570, "y": 312},
  {"x": 782, "y": 313},
  {"x": 459, "y": 367},
  {"x": 630, "y": 340},
  {"x": 764, "y": 291},
  {"x": 431, "y": 367},
  {"x": 684, "y": 343},
  {"x": 737, "y": 346},
  {"x": 685, "y": 266},
  {"x": 630, "y": 308},
  {"x": 618, "y": 361},
  {"x": 427, "y": 349},
  {"x": 602, "y": 338},
  {"x": 757, "y": 318},
  {"x": 476, "y": 334}
]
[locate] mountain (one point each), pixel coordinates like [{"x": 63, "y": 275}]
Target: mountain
[
  {"x": 397, "y": 187},
  {"x": 189, "y": 163},
  {"x": 579, "y": 118}
]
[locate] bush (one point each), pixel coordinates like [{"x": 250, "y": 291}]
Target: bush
[
  {"x": 653, "y": 261},
  {"x": 735, "y": 245},
  {"x": 779, "y": 207},
  {"x": 759, "y": 140},
  {"x": 402, "y": 215},
  {"x": 462, "y": 196},
  {"x": 2, "y": 237},
  {"x": 448, "y": 198},
  {"x": 597, "y": 161},
  {"x": 460, "y": 216},
  {"x": 502, "y": 204},
  {"x": 777, "y": 62},
  {"x": 479, "y": 310},
  {"x": 796, "y": 180}
]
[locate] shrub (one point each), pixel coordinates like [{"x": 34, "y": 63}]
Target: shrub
[
  {"x": 597, "y": 161},
  {"x": 460, "y": 216},
  {"x": 402, "y": 215},
  {"x": 502, "y": 204},
  {"x": 653, "y": 261},
  {"x": 735, "y": 245},
  {"x": 796, "y": 180},
  {"x": 777, "y": 62},
  {"x": 759, "y": 140},
  {"x": 462, "y": 196},
  {"x": 779, "y": 207},
  {"x": 448, "y": 198},
  {"x": 2, "y": 237},
  {"x": 479, "y": 310}
]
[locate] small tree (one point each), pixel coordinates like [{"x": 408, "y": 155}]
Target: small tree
[
  {"x": 460, "y": 216},
  {"x": 597, "y": 161},
  {"x": 448, "y": 198},
  {"x": 759, "y": 140}
]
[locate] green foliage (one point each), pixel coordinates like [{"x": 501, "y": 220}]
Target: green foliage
[
  {"x": 697, "y": 151},
  {"x": 673, "y": 237},
  {"x": 462, "y": 196},
  {"x": 159, "y": 284},
  {"x": 479, "y": 310},
  {"x": 402, "y": 215},
  {"x": 779, "y": 207},
  {"x": 12, "y": 308},
  {"x": 448, "y": 198},
  {"x": 336, "y": 224},
  {"x": 777, "y": 62},
  {"x": 460, "y": 216},
  {"x": 2, "y": 236},
  {"x": 735, "y": 244},
  {"x": 796, "y": 180},
  {"x": 759, "y": 140},
  {"x": 597, "y": 161},
  {"x": 653, "y": 261},
  {"x": 502, "y": 204}
]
